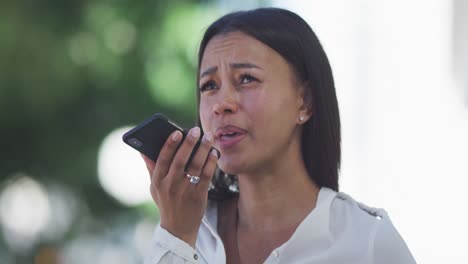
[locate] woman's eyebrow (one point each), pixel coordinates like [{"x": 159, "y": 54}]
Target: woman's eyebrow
[
  {"x": 209, "y": 71},
  {"x": 244, "y": 65},
  {"x": 232, "y": 65}
]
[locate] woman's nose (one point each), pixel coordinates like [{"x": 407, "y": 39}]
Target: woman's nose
[{"x": 227, "y": 103}]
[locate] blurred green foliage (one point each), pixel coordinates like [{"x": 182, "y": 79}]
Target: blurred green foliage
[{"x": 73, "y": 71}]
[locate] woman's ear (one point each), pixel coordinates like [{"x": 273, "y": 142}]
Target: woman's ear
[{"x": 306, "y": 105}]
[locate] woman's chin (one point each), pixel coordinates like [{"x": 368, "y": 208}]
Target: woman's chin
[{"x": 231, "y": 167}]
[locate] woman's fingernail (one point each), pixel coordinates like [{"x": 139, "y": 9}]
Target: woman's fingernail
[
  {"x": 208, "y": 137},
  {"x": 215, "y": 153},
  {"x": 195, "y": 132},
  {"x": 176, "y": 136}
]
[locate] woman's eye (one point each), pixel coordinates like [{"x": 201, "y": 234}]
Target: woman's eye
[
  {"x": 210, "y": 85},
  {"x": 247, "y": 78}
]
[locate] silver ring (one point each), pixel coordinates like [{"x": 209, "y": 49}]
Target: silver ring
[{"x": 193, "y": 179}]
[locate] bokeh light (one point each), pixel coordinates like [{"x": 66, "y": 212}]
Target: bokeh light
[
  {"x": 24, "y": 212},
  {"x": 169, "y": 82},
  {"x": 64, "y": 209},
  {"x": 121, "y": 170},
  {"x": 120, "y": 36},
  {"x": 83, "y": 48}
]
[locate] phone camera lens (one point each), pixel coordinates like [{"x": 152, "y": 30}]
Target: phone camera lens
[{"x": 135, "y": 142}]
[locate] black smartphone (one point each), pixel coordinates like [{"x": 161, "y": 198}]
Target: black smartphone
[{"x": 149, "y": 136}]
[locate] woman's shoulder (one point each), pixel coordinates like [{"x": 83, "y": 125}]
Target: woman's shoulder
[
  {"x": 345, "y": 204},
  {"x": 369, "y": 226},
  {"x": 347, "y": 213}
]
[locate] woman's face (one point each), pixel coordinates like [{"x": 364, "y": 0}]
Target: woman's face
[{"x": 249, "y": 101}]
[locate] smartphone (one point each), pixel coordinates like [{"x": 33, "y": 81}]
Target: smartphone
[{"x": 150, "y": 136}]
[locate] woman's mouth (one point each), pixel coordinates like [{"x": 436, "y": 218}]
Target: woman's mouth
[{"x": 229, "y": 136}]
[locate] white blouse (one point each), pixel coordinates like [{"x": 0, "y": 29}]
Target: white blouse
[{"x": 337, "y": 230}]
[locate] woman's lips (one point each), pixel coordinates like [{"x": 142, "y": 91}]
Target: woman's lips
[
  {"x": 228, "y": 136},
  {"x": 229, "y": 141}
]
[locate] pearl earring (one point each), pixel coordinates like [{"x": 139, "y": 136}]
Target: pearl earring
[{"x": 301, "y": 118}]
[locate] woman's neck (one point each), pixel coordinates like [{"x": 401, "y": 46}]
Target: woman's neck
[{"x": 276, "y": 198}]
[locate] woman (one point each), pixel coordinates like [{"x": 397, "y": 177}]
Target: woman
[{"x": 267, "y": 102}]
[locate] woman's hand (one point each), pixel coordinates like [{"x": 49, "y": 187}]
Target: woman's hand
[{"x": 181, "y": 203}]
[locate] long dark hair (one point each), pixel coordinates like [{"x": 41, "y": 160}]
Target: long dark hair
[{"x": 291, "y": 37}]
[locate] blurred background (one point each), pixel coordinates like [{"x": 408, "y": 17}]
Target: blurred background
[{"x": 75, "y": 75}]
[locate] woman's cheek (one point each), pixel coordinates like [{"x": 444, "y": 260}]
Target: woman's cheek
[
  {"x": 204, "y": 113},
  {"x": 255, "y": 102}
]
